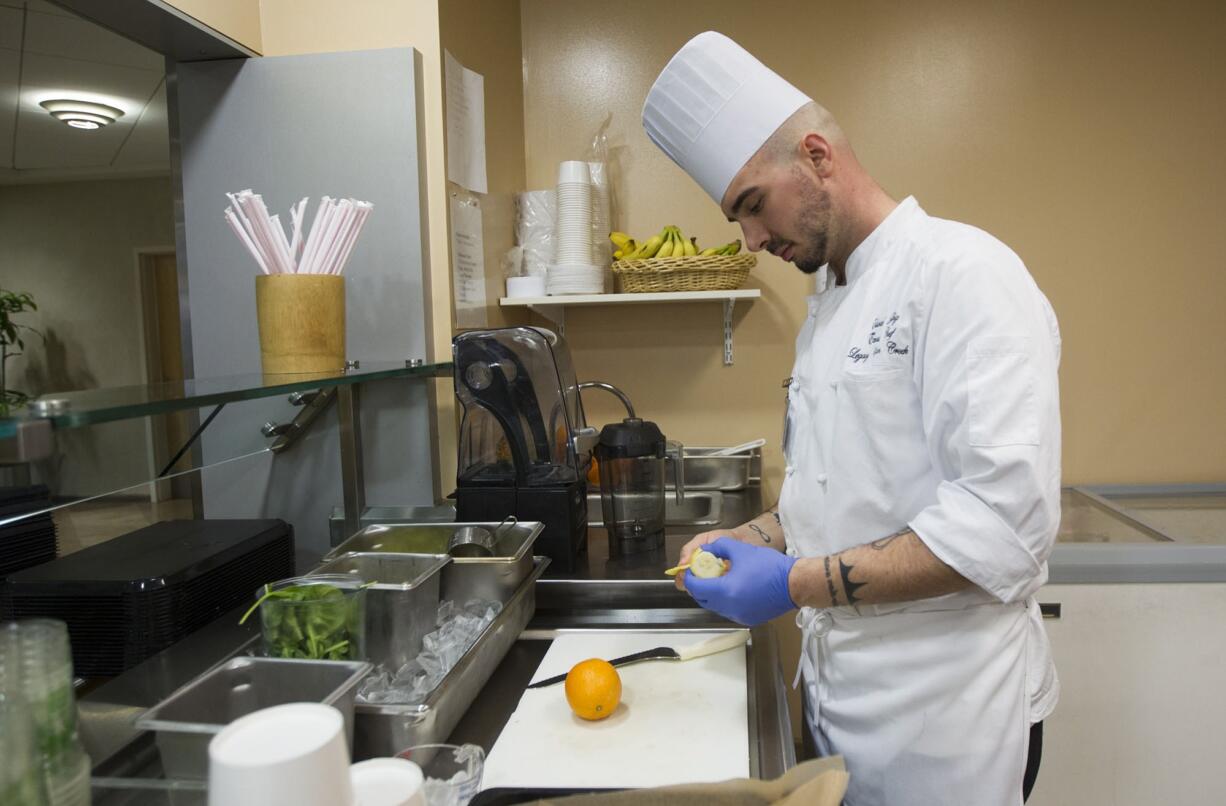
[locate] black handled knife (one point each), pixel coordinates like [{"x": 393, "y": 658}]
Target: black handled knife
[{"x": 719, "y": 643}]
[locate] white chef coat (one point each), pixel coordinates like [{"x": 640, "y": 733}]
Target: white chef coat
[{"x": 924, "y": 395}]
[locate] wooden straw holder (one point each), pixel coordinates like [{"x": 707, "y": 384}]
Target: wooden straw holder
[{"x": 302, "y": 322}]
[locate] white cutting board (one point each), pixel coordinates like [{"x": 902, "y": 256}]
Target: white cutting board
[{"x": 678, "y": 721}]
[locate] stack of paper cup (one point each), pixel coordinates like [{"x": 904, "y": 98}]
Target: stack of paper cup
[
  {"x": 574, "y": 278},
  {"x": 574, "y": 271},
  {"x": 574, "y": 195},
  {"x": 292, "y": 753}
]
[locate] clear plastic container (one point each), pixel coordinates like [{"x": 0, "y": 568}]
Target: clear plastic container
[
  {"x": 21, "y": 778},
  {"x": 317, "y": 618},
  {"x": 36, "y": 669},
  {"x": 67, "y": 778},
  {"x": 452, "y": 772}
]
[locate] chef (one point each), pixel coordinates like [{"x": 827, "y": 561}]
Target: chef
[{"x": 921, "y": 493}]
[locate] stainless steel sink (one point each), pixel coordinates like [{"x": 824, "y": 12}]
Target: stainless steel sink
[{"x": 696, "y": 509}]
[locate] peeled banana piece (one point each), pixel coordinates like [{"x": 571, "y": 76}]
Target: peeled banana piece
[
  {"x": 702, "y": 564},
  {"x": 705, "y": 565}
]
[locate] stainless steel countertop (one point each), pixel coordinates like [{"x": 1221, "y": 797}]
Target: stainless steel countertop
[
  {"x": 617, "y": 592},
  {"x": 623, "y": 592}
]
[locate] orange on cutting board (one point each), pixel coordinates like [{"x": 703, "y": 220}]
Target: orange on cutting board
[{"x": 593, "y": 689}]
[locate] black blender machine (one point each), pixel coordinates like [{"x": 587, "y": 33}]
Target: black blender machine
[{"x": 524, "y": 444}]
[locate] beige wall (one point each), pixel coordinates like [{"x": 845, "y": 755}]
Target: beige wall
[
  {"x": 484, "y": 35},
  {"x": 1087, "y": 136},
  {"x": 73, "y": 245},
  {"x": 320, "y": 26}
]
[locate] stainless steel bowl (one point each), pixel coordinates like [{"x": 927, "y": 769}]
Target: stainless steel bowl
[{"x": 493, "y": 578}]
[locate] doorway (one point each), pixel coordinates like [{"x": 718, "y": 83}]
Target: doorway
[{"x": 162, "y": 326}]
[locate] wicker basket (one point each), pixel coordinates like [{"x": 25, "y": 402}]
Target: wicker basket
[{"x": 710, "y": 273}]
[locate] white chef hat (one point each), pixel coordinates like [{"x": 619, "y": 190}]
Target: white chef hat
[{"x": 713, "y": 107}]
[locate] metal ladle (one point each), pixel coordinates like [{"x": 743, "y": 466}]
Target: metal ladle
[{"x": 477, "y": 541}]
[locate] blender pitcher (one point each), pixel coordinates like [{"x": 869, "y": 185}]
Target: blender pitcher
[{"x": 631, "y": 455}]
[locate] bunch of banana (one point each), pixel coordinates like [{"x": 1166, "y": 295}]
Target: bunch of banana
[
  {"x": 675, "y": 244},
  {"x": 727, "y": 249},
  {"x": 624, "y": 245},
  {"x": 668, "y": 242}
]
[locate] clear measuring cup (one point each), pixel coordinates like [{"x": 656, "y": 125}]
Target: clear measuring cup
[{"x": 453, "y": 772}]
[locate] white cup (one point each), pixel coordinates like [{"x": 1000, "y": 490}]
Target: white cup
[
  {"x": 530, "y": 286},
  {"x": 291, "y": 753},
  {"x": 574, "y": 171},
  {"x": 387, "y": 782}
]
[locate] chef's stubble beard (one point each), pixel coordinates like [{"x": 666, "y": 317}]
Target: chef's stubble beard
[{"x": 813, "y": 224}]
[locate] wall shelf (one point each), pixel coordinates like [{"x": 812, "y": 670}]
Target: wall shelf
[{"x": 554, "y": 308}]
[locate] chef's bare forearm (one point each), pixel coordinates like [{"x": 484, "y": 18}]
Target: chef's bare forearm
[
  {"x": 764, "y": 530},
  {"x": 897, "y": 568}
]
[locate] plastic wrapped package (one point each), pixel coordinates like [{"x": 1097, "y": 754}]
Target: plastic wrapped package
[
  {"x": 600, "y": 165},
  {"x": 535, "y": 218}
]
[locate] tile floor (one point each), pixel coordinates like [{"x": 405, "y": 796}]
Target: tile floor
[{"x": 88, "y": 524}]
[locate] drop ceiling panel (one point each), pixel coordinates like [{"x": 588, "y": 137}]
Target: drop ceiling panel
[
  {"x": 44, "y": 142},
  {"x": 149, "y": 144},
  {"x": 10, "y": 28},
  {"x": 75, "y": 38},
  {"x": 63, "y": 55},
  {"x": 45, "y": 8},
  {"x": 9, "y": 60}
]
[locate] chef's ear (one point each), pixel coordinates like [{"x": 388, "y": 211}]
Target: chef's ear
[{"x": 817, "y": 151}]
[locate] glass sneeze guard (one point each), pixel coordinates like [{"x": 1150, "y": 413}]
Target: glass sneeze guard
[
  {"x": 90, "y": 407},
  {"x": 98, "y": 445},
  {"x": 1185, "y": 513}
]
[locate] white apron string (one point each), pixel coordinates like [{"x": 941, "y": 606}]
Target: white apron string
[{"x": 813, "y": 624}]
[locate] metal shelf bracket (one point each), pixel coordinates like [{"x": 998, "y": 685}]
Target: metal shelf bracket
[
  {"x": 554, "y": 313},
  {"x": 728, "y": 303}
]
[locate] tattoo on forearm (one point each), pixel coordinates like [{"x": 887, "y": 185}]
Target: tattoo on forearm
[
  {"x": 760, "y": 532},
  {"x": 778, "y": 520},
  {"x": 834, "y": 597},
  {"x": 849, "y": 587},
  {"x": 880, "y": 544}
]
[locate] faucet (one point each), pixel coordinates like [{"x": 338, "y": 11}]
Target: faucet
[
  {"x": 610, "y": 388},
  {"x": 674, "y": 449}
]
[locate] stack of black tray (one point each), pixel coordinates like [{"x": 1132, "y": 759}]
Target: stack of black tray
[
  {"x": 134, "y": 595},
  {"x": 29, "y": 541}
]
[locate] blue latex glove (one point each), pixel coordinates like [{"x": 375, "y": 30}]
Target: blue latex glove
[{"x": 754, "y": 590}]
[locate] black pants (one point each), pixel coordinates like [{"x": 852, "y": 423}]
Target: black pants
[
  {"x": 1034, "y": 754},
  {"x": 1034, "y": 750}
]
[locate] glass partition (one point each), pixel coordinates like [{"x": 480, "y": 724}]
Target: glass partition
[
  {"x": 94, "y": 406},
  {"x": 1083, "y": 519},
  {"x": 1186, "y": 513},
  {"x": 145, "y": 443}
]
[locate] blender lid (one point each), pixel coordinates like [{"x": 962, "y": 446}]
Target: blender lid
[{"x": 632, "y": 437}]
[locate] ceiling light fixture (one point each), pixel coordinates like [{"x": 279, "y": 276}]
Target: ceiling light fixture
[{"x": 82, "y": 114}]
